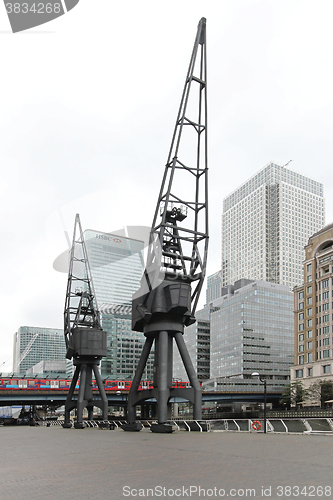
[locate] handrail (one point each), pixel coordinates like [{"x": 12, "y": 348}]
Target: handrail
[
  {"x": 198, "y": 425},
  {"x": 235, "y": 424}
]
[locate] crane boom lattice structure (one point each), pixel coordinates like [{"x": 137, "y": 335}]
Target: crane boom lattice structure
[
  {"x": 84, "y": 336},
  {"x": 177, "y": 253}
]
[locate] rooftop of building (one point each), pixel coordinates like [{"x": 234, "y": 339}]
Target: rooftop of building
[
  {"x": 136, "y": 233},
  {"x": 40, "y": 329},
  {"x": 295, "y": 177},
  {"x": 326, "y": 228},
  {"x": 244, "y": 284}
]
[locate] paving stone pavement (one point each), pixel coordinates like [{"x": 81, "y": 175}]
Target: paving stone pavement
[{"x": 46, "y": 463}]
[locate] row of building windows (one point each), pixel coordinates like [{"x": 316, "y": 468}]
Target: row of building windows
[
  {"x": 300, "y": 372},
  {"x": 323, "y": 343},
  {"x": 325, "y": 296},
  {"x": 324, "y": 354},
  {"x": 301, "y": 347},
  {"x": 324, "y": 319},
  {"x": 301, "y": 336},
  {"x": 326, "y": 330},
  {"x": 321, "y": 331},
  {"x": 308, "y": 291},
  {"x": 301, "y": 325}
]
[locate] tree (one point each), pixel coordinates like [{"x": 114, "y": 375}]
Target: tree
[
  {"x": 293, "y": 394},
  {"x": 320, "y": 391},
  {"x": 314, "y": 392},
  {"x": 286, "y": 396},
  {"x": 326, "y": 392}
]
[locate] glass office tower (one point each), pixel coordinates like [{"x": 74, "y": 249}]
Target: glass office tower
[
  {"x": 117, "y": 265},
  {"x": 252, "y": 329},
  {"x": 214, "y": 287},
  {"x": 266, "y": 223}
]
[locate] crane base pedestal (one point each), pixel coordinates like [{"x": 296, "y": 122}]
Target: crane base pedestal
[
  {"x": 132, "y": 427},
  {"x": 67, "y": 425},
  {"x": 163, "y": 391},
  {"x": 162, "y": 428},
  {"x": 79, "y": 425}
]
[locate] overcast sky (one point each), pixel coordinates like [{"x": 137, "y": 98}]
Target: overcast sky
[{"x": 88, "y": 107}]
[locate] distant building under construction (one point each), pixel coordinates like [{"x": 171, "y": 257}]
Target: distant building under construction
[{"x": 33, "y": 344}]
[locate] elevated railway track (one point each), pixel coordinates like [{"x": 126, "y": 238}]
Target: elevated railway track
[{"x": 57, "y": 397}]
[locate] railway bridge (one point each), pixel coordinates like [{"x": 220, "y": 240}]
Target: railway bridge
[{"x": 57, "y": 397}]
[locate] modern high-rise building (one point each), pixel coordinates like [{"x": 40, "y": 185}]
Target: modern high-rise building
[
  {"x": 116, "y": 265},
  {"x": 197, "y": 338},
  {"x": 250, "y": 329},
  {"x": 214, "y": 287},
  {"x": 33, "y": 344},
  {"x": 266, "y": 223},
  {"x": 314, "y": 311}
]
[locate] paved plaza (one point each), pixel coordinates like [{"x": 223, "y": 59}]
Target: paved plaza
[{"x": 44, "y": 463}]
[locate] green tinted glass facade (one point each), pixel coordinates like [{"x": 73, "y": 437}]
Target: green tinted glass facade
[
  {"x": 116, "y": 265},
  {"x": 252, "y": 331}
]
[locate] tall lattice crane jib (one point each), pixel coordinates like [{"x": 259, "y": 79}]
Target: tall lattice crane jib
[
  {"x": 180, "y": 223},
  {"x": 81, "y": 310}
]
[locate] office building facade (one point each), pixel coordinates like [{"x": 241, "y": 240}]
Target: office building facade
[
  {"x": 314, "y": 311},
  {"x": 50, "y": 368},
  {"x": 116, "y": 265},
  {"x": 251, "y": 330},
  {"x": 35, "y": 344},
  {"x": 265, "y": 224},
  {"x": 214, "y": 287},
  {"x": 197, "y": 339}
]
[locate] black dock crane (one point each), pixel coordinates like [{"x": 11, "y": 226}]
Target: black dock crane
[
  {"x": 177, "y": 253},
  {"x": 84, "y": 336}
]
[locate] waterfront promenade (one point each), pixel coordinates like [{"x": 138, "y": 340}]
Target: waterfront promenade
[{"x": 42, "y": 463}]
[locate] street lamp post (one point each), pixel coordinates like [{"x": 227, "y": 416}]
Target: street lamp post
[{"x": 263, "y": 381}]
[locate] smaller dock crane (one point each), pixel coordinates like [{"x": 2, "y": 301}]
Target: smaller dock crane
[{"x": 84, "y": 336}]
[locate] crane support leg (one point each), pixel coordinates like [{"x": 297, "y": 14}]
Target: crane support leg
[
  {"x": 80, "y": 401},
  {"x": 70, "y": 405},
  {"x": 104, "y": 405},
  {"x": 84, "y": 370},
  {"x": 197, "y": 407},
  {"x": 132, "y": 395},
  {"x": 163, "y": 391}
]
